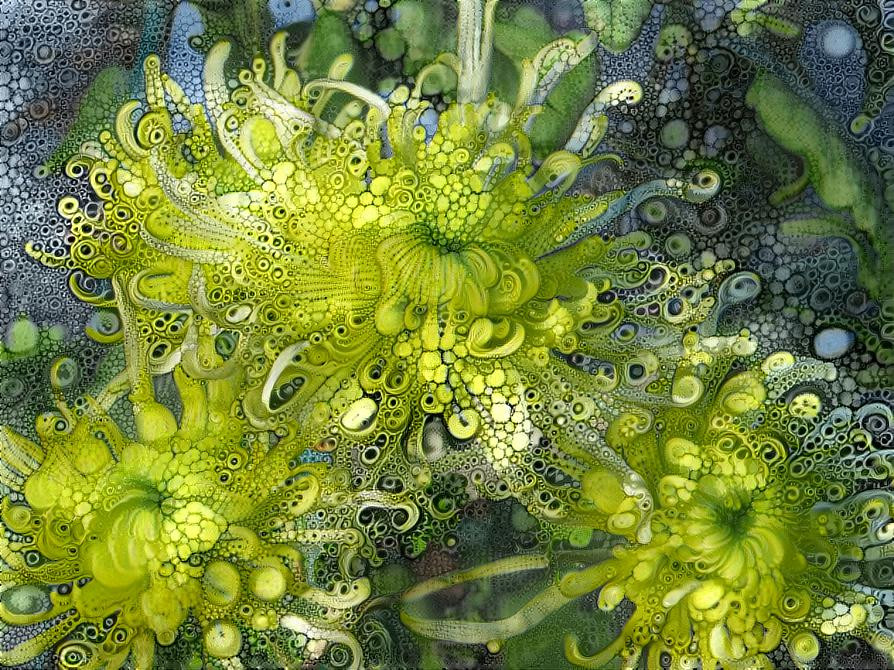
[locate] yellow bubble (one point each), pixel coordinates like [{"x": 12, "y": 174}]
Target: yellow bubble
[
  {"x": 804, "y": 647},
  {"x": 268, "y": 583},
  {"x": 463, "y": 425},
  {"x": 222, "y": 639},
  {"x": 221, "y": 583}
]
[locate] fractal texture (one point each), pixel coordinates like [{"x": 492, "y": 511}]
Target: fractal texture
[{"x": 446, "y": 334}]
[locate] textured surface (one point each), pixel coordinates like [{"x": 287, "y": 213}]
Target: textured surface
[{"x": 446, "y": 333}]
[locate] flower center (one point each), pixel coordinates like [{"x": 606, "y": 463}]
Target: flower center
[
  {"x": 428, "y": 276},
  {"x": 736, "y": 517},
  {"x": 445, "y": 241}
]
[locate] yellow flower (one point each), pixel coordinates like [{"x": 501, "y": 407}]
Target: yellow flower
[
  {"x": 127, "y": 539},
  {"x": 375, "y": 272},
  {"x": 749, "y": 551}
]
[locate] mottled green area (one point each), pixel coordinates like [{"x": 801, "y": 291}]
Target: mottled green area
[
  {"x": 422, "y": 25},
  {"x": 329, "y": 38},
  {"x": 617, "y": 22},
  {"x": 97, "y": 109},
  {"x": 247, "y": 22},
  {"x": 564, "y": 106},
  {"x": 830, "y": 167}
]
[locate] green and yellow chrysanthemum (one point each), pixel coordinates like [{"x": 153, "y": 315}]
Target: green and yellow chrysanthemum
[
  {"x": 114, "y": 545},
  {"x": 771, "y": 531},
  {"x": 766, "y": 531},
  {"x": 375, "y": 274},
  {"x": 410, "y": 290}
]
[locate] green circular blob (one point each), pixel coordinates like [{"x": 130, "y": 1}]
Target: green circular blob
[
  {"x": 654, "y": 211},
  {"x": 390, "y": 44},
  {"x": 64, "y": 372},
  {"x": 25, "y": 599},
  {"x": 221, "y": 583},
  {"x": 267, "y": 583},
  {"x": 675, "y": 134},
  {"x": 678, "y": 245},
  {"x": 222, "y": 639},
  {"x": 11, "y": 388},
  {"x": 440, "y": 78},
  {"x": 804, "y": 647},
  {"x": 22, "y": 336}
]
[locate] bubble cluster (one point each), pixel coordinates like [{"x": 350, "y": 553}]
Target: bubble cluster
[{"x": 431, "y": 333}]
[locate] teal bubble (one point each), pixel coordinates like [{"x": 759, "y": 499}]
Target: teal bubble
[
  {"x": 675, "y": 134},
  {"x": 833, "y": 343},
  {"x": 839, "y": 41}
]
